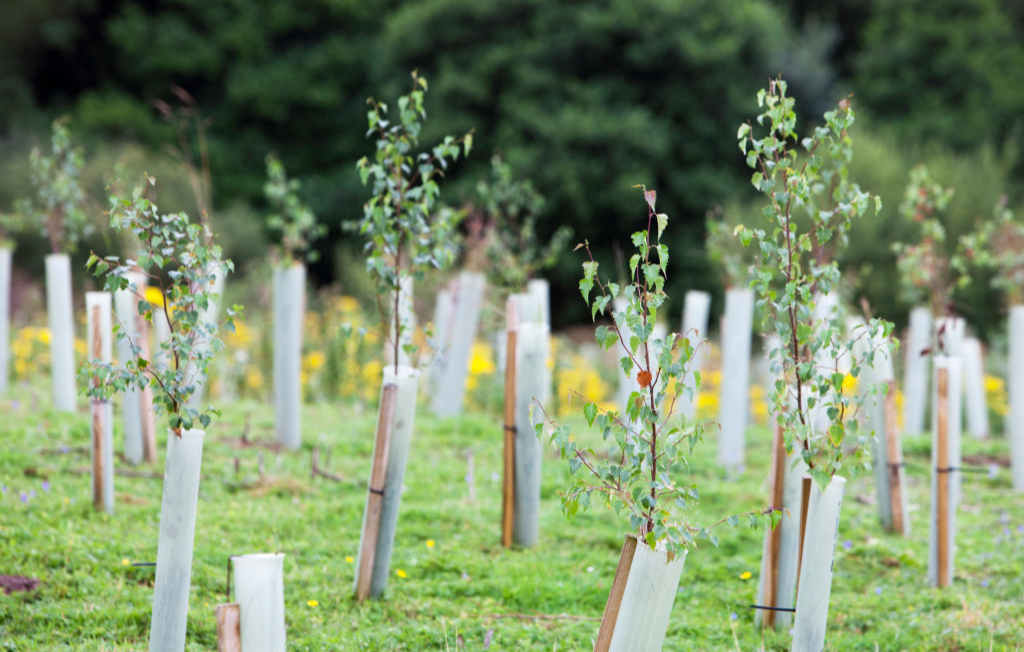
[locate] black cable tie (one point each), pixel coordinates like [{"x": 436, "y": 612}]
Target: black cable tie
[
  {"x": 948, "y": 469},
  {"x": 509, "y": 428},
  {"x": 379, "y": 492},
  {"x": 788, "y": 609},
  {"x": 144, "y": 563}
]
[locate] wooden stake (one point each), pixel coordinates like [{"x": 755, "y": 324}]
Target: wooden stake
[
  {"x": 99, "y": 470},
  {"x": 378, "y": 485},
  {"x": 229, "y": 637},
  {"x": 777, "y": 481},
  {"x": 894, "y": 454},
  {"x": 611, "y": 609},
  {"x": 942, "y": 471},
  {"x": 508, "y": 488},
  {"x": 805, "y": 500}
]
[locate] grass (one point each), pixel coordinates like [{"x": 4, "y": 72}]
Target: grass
[{"x": 464, "y": 590}]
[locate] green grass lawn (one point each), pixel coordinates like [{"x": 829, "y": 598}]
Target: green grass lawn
[{"x": 460, "y": 589}]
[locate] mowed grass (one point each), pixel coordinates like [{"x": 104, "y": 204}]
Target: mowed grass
[{"x": 461, "y": 590}]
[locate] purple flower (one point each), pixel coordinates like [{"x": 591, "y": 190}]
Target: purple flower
[
  {"x": 1020, "y": 528},
  {"x": 64, "y": 449},
  {"x": 878, "y": 590},
  {"x": 3, "y": 488},
  {"x": 46, "y": 485},
  {"x": 993, "y": 471},
  {"x": 23, "y": 496},
  {"x": 16, "y": 404},
  {"x": 32, "y": 494},
  {"x": 847, "y": 544},
  {"x": 1006, "y": 531},
  {"x": 733, "y": 616},
  {"x": 984, "y": 584},
  {"x": 488, "y": 637}
]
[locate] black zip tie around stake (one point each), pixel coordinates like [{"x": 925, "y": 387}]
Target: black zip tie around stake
[
  {"x": 144, "y": 563},
  {"x": 379, "y": 492},
  {"x": 509, "y": 428},
  {"x": 786, "y": 609}
]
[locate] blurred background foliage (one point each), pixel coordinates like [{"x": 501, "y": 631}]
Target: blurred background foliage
[{"x": 584, "y": 99}]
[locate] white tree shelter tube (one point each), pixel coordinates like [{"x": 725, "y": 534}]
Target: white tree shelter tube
[
  {"x": 819, "y": 552},
  {"x": 974, "y": 388},
  {"x": 126, "y": 307},
  {"x": 788, "y": 561},
  {"x": 210, "y": 316},
  {"x": 177, "y": 536},
  {"x": 945, "y": 469},
  {"x": 289, "y": 314},
  {"x": 259, "y": 592},
  {"x": 915, "y": 370},
  {"x": 531, "y": 371},
  {"x": 450, "y": 391},
  {"x": 407, "y": 381},
  {"x": 97, "y": 307},
  {"x": 1015, "y": 388},
  {"x": 5, "y": 319},
  {"x": 696, "y": 309},
  {"x": 62, "y": 331},
  {"x": 735, "y": 393},
  {"x": 642, "y": 616}
]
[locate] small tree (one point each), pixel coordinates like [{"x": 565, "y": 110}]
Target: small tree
[
  {"x": 810, "y": 203},
  {"x": 997, "y": 244},
  {"x": 58, "y": 200},
  {"x": 177, "y": 257},
  {"x": 294, "y": 220},
  {"x": 507, "y": 224},
  {"x": 651, "y": 441},
  {"x": 405, "y": 235}
]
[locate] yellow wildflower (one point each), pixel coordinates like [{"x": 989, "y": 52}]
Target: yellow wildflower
[
  {"x": 401, "y": 573},
  {"x": 746, "y": 575},
  {"x": 312, "y": 603}
]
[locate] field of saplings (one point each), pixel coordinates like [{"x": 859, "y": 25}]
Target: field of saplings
[{"x": 427, "y": 464}]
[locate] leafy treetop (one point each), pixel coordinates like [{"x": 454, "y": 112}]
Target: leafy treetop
[
  {"x": 927, "y": 272},
  {"x": 57, "y": 205},
  {"x": 997, "y": 244},
  {"x": 651, "y": 441},
  {"x": 508, "y": 228},
  {"x": 405, "y": 235},
  {"x": 295, "y": 221},
  {"x": 180, "y": 258},
  {"x": 810, "y": 204}
]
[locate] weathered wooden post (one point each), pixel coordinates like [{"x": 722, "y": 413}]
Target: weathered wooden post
[
  {"x": 289, "y": 314},
  {"x": 229, "y": 628},
  {"x": 915, "y": 370},
  {"x": 62, "y": 331},
  {"x": 734, "y": 397},
  {"x": 508, "y": 488},
  {"x": 97, "y": 306},
  {"x": 696, "y": 308},
  {"x": 945, "y": 470}
]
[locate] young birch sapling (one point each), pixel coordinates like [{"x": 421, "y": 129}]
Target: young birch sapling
[
  {"x": 177, "y": 257},
  {"x": 506, "y": 222},
  {"x": 811, "y": 202},
  {"x": 404, "y": 233},
  {"x": 651, "y": 441},
  {"x": 291, "y": 218},
  {"x": 997, "y": 244},
  {"x": 58, "y": 204},
  {"x": 925, "y": 269}
]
